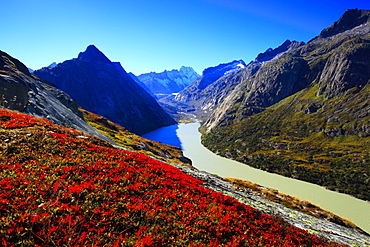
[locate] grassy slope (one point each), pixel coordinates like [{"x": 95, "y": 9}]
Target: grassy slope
[
  {"x": 61, "y": 187},
  {"x": 134, "y": 142},
  {"x": 286, "y": 140}
]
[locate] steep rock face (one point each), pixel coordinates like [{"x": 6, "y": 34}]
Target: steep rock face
[
  {"x": 345, "y": 70},
  {"x": 22, "y": 91},
  {"x": 168, "y": 82},
  {"x": 269, "y": 85},
  {"x": 103, "y": 88}
]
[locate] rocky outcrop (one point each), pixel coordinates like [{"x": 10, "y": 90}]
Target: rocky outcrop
[
  {"x": 104, "y": 88},
  {"x": 344, "y": 70},
  {"x": 168, "y": 82},
  {"x": 22, "y": 91},
  {"x": 350, "y": 19}
]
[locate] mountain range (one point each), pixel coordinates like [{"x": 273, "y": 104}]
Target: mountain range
[
  {"x": 25, "y": 92},
  {"x": 168, "y": 82},
  {"x": 302, "y": 112},
  {"x": 213, "y": 87},
  {"x": 104, "y": 88}
]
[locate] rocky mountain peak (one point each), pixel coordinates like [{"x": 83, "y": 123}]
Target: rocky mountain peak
[
  {"x": 350, "y": 19},
  {"x": 8, "y": 63},
  {"x": 271, "y": 53},
  {"x": 93, "y": 54}
]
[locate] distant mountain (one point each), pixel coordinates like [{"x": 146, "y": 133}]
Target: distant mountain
[
  {"x": 194, "y": 95},
  {"x": 209, "y": 76},
  {"x": 168, "y": 82},
  {"x": 104, "y": 88},
  {"x": 20, "y": 90},
  {"x": 305, "y": 113}
]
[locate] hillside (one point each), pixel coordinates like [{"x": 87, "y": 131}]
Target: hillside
[
  {"x": 104, "y": 88},
  {"x": 20, "y": 90},
  {"x": 305, "y": 114},
  {"x": 62, "y": 187},
  {"x": 130, "y": 141}
]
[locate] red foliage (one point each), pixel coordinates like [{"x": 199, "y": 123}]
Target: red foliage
[{"x": 57, "y": 189}]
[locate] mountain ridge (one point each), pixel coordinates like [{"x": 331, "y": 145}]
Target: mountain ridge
[
  {"x": 304, "y": 114},
  {"x": 105, "y": 89},
  {"x": 204, "y": 95},
  {"x": 168, "y": 81}
]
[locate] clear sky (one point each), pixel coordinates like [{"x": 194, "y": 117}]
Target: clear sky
[{"x": 154, "y": 35}]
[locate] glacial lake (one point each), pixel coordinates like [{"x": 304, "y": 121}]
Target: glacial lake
[{"x": 187, "y": 137}]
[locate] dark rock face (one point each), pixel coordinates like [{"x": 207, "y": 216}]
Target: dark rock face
[
  {"x": 13, "y": 80},
  {"x": 104, "y": 88},
  {"x": 350, "y": 19},
  {"x": 345, "y": 70},
  {"x": 22, "y": 91}
]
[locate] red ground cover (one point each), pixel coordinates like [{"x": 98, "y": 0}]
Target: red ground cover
[{"x": 58, "y": 189}]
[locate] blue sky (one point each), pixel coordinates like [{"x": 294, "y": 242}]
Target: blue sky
[{"x": 154, "y": 35}]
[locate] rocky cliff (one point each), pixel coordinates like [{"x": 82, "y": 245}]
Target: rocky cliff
[
  {"x": 305, "y": 113},
  {"x": 104, "y": 88},
  {"x": 168, "y": 82},
  {"x": 22, "y": 91}
]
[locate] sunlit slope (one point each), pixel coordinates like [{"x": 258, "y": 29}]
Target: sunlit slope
[
  {"x": 61, "y": 187},
  {"x": 329, "y": 146}
]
